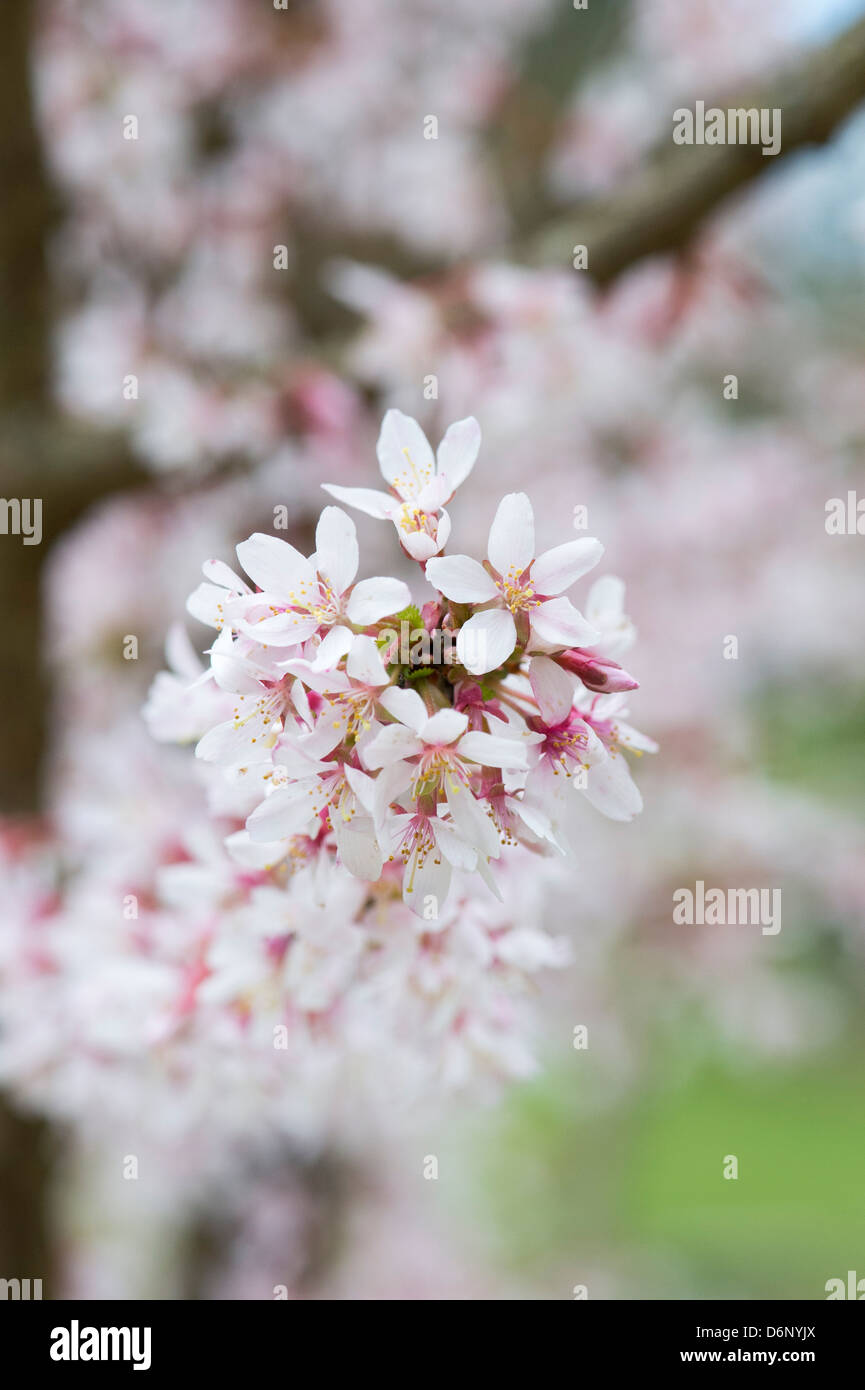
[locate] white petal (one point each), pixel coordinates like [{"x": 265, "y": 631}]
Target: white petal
[
  {"x": 444, "y": 727},
  {"x": 458, "y": 450},
  {"x": 280, "y": 629},
  {"x": 486, "y": 640},
  {"x": 366, "y": 499},
  {"x": 426, "y": 885},
  {"x": 180, "y": 653},
  {"x": 333, "y": 648},
  {"x": 406, "y": 706},
  {"x": 394, "y": 744},
  {"x": 606, "y": 602},
  {"x": 218, "y": 572},
  {"x": 611, "y": 789},
  {"x": 484, "y": 748},
  {"x": 230, "y": 669},
  {"x": 252, "y": 855},
  {"x": 274, "y": 565},
  {"x": 336, "y": 548},
  {"x": 358, "y": 847},
  {"x": 472, "y": 821},
  {"x": 362, "y": 786},
  {"x": 561, "y": 624},
  {"x": 404, "y": 454},
  {"x": 364, "y": 663},
  {"x": 511, "y": 547},
  {"x": 632, "y": 738},
  {"x": 461, "y": 578},
  {"x": 455, "y": 849},
  {"x": 553, "y": 689},
  {"x": 372, "y": 599},
  {"x": 206, "y": 603},
  {"x": 434, "y": 494},
  {"x": 287, "y": 812},
  {"x": 559, "y": 568},
  {"x": 419, "y": 544}
]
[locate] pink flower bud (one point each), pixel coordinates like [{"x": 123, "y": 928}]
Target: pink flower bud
[{"x": 596, "y": 672}]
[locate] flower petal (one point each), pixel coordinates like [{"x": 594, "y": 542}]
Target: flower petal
[
  {"x": 406, "y": 706},
  {"x": 366, "y": 499},
  {"x": 486, "y": 640},
  {"x": 392, "y": 745},
  {"x": 611, "y": 789},
  {"x": 559, "y": 568},
  {"x": 274, "y": 565},
  {"x": 553, "y": 689},
  {"x": 333, "y": 648},
  {"x": 364, "y": 663},
  {"x": 285, "y": 813},
  {"x": 372, "y": 599},
  {"x": 458, "y": 450},
  {"x": 562, "y": 625},
  {"x": 461, "y": 578},
  {"x": 511, "y": 546},
  {"x": 491, "y": 751},
  {"x": 336, "y": 552},
  {"x": 444, "y": 727},
  {"x": 358, "y": 847},
  {"x": 404, "y": 454}
]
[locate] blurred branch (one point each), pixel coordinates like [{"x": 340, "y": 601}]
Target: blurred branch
[{"x": 662, "y": 205}]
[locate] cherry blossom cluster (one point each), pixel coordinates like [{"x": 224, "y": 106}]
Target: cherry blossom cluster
[{"x": 421, "y": 737}]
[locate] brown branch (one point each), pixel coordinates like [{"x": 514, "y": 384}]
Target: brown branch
[{"x": 663, "y": 204}]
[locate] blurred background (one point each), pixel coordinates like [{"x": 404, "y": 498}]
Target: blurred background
[{"x": 235, "y": 233}]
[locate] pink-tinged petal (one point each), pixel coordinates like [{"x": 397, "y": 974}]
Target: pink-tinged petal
[
  {"x": 406, "y": 706},
  {"x": 560, "y": 624},
  {"x": 287, "y": 812},
  {"x": 553, "y": 689},
  {"x": 336, "y": 549},
  {"x": 404, "y": 454},
  {"x": 511, "y": 547},
  {"x": 458, "y": 450},
  {"x": 364, "y": 663},
  {"x": 392, "y": 745},
  {"x": 444, "y": 727},
  {"x": 372, "y": 599},
  {"x": 274, "y": 565},
  {"x": 461, "y": 578},
  {"x": 333, "y": 648},
  {"x": 611, "y": 789},
  {"x": 559, "y": 568},
  {"x": 218, "y": 572},
  {"x": 486, "y": 640},
  {"x": 365, "y": 499},
  {"x": 492, "y": 751}
]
